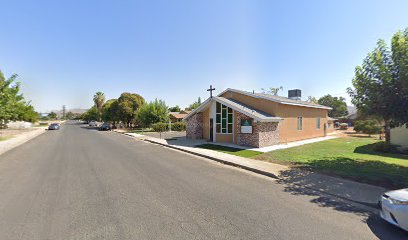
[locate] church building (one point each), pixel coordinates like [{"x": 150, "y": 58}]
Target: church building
[{"x": 257, "y": 119}]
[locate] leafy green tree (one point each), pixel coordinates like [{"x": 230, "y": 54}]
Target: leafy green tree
[
  {"x": 69, "y": 115},
  {"x": 272, "y": 90},
  {"x": 153, "y": 112},
  {"x": 381, "y": 83},
  {"x": 175, "y": 109},
  {"x": 27, "y": 113},
  {"x": 110, "y": 111},
  {"x": 399, "y": 50},
  {"x": 13, "y": 106},
  {"x": 99, "y": 100},
  {"x": 9, "y": 98},
  {"x": 91, "y": 114},
  {"x": 194, "y": 105},
  {"x": 52, "y": 115},
  {"x": 128, "y": 104},
  {"x": 367, "y": 126},
  {"x": 337, "y": 103}
]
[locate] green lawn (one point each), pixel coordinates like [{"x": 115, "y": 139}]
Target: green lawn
[
  {"x": 352, "y": 158},
  {"x": 231, "y": 150},
  {"x": 5, "y": 138}
]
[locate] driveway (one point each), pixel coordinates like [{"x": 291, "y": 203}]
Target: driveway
[{"x": 79, "y": 183}]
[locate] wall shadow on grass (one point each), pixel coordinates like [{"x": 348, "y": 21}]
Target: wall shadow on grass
[
  {"x": 371, "y": 150},
  {"x": 378, "y": 173},
  {"x": 337, "y": 196}
]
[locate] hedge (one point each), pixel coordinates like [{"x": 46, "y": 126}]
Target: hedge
[
  {"x": 178, "y": 126},
  {"x": 160, "y": 127}
]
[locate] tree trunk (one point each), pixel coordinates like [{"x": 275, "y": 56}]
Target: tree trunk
[{"x": 387, "y": 131}]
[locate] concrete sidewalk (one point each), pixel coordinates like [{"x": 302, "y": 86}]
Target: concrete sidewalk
[
  {"x": 295, "y": 180},
  {"x": 20, "y": 139}
]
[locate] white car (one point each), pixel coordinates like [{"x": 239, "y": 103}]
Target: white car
[
  {"x": 93, "y": 124},
  {"x": 394, "y": 208}
]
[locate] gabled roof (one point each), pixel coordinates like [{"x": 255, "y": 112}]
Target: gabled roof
[
  {"x": 278, "y": 99},
  {"x": 237, "y": 106},
  {"x": 178, "y": 115}
]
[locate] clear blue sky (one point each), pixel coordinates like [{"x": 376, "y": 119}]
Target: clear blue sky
[{"x": 65, "y": 51}]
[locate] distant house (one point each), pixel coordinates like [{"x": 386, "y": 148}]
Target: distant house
[
  {"x": 178, "y": 116},
  {"x": 257, "y": 119}
]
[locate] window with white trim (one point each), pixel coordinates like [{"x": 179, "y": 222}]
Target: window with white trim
[
  {"x": 224, "y": 119},
  {"x": 318, "y": 123},
  {"x": 299, "y": 123}
]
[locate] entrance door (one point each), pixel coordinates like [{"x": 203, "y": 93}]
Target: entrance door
[{"x": 211, "y": 129}]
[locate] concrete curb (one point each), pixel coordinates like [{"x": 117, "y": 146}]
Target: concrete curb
[
  {"x": 268, "y": 174},
  {"x": 367, "y": 206}
]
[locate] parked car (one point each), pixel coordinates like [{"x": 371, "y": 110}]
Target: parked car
[
  {"x": 105, "y": 127},
  {"x": 343, "y": 126},
  {"x": 93, "y": 124},
  {"x": 54, "y": 126},
  {"x": 394, "y": 208}
]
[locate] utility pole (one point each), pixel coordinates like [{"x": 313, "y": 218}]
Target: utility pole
[{"x": 63, "y": 111}]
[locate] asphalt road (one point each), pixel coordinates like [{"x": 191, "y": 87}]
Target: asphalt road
[{"x": 78, "y": 183}]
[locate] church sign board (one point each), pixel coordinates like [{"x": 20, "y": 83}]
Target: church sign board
[{"x": 246, "y": 125}]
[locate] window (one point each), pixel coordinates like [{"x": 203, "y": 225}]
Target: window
[
  {"x": 299, "y": 123},
  {"x": 318, "y": 123},
  {"x": 224, "y": 119}
]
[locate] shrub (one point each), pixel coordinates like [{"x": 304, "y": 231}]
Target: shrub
[
  {"x": 343, "y": 126},
  {"x": 160, "y": 127},
  {"x": 367, "y": 126},
  {"x": 178, "y": 126}
]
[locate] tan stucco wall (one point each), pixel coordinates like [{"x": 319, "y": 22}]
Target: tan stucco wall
[
  {"x": 288, "y": 127},
  {"x": 330, "y": 126},
  {"x": 399, "y": 136},
  {"x": 206, "y": 124}
]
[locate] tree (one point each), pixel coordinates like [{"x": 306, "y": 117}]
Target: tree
[
  {"x": 13, "y": 107},
  {"x": 91, "y": 114},
  {"x": 367, "y": 126},
  {"x": 99, "y": 100},
  {"x": 52, "y": 115},
  {"x": 337, "y": 103},
  {"x": 27, "y": 113},
  {"x": 153, "y": 112},
  {"x": 194, "y": 105},
  {"x": 312, "y": 99},
  {"x": 69, "y": 115},
  {"x": 110, "y": 111},
  {"x": 272, "y": 90},
  {"x": 9, "y": 98},
  {"x": 128, "y": 104},
  {"x": 381, "y": 83},
  {"x": 175, "y": 109}
]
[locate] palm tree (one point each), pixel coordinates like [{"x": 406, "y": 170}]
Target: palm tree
[{"x": 99, "y": 100}]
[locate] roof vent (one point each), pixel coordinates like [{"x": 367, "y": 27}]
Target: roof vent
[{"x": 295, "y": 94}]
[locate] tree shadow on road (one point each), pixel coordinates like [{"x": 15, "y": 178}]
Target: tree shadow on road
[{"x": 306, "y": 183}]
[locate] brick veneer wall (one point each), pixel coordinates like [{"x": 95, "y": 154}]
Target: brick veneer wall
[
  {"x": 263, "y": 133},
  {"x": 194, "y": 126}
]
